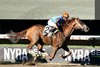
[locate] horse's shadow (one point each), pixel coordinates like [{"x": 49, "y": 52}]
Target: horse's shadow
[
  {"x": 94, "y": 59},
  {"x": 30, "y": 59}
]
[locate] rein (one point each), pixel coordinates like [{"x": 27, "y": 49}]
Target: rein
[{"x": 66, "y": 26}]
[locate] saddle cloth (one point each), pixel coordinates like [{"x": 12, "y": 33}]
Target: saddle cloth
[{"x": 49, "y": 30}]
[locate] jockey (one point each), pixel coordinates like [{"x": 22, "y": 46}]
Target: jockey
[{"x": 56, "y": 22}]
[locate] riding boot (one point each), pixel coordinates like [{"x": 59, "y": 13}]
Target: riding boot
[
  {"x": 50, "y": 34},
  {"x": 45, "y": 34}
]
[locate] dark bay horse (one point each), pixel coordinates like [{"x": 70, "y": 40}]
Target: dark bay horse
[{"x": 34, "y": 34}]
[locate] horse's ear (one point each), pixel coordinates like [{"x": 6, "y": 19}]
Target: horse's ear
[
  {"x": 78, "y": 18},
  {"x": 11, "y": 31},
  {"x": 72, "y": 18}
]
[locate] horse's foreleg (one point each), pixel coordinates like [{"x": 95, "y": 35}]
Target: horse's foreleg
[
  {"x": 53, "y": 52},
  {"x": 66, "y": 49}
]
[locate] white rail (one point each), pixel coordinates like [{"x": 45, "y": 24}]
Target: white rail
[{"x": 73, "y": 37}]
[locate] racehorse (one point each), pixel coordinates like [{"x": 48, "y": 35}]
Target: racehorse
[{"x": 57, "y": 41}]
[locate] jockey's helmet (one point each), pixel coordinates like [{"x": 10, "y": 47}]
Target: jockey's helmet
[{"x": 66, "y": 15}]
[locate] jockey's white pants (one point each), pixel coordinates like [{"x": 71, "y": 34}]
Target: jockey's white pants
[{"x": 50, "y": 23}]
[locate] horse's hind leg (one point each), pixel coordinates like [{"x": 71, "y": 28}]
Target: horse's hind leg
[
  {"x": 40, "y": 47},
  {"x": 31, "y": 45},
  {"x": 66, "y": 49},
  {"x": 32, "y": 42}
]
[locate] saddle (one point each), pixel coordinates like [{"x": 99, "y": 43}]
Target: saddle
[{"x": 49, "y": 31}]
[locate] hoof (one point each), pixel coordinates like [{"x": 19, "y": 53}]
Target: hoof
[
  {"x": 29, "y": 47},
  {"x": 62, "y": 56},
  {"x": 49, "y": 58}
]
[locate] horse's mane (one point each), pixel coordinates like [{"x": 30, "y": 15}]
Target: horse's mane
[
  {"x": 66, "y": 24},
  {"x": 68, "y": 21},
  {"x": 72, "y": 19}
]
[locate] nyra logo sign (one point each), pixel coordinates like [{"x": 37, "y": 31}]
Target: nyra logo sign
[
  {"x": 83, "y": 54},
  {"x": 77, "y": 54},
  {"x": 13, "y": 53}
]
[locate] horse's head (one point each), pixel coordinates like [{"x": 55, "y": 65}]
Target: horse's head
[{"x": 80, "y": 25}]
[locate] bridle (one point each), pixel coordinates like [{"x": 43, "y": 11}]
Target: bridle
[{"x": 79, "y": 24}]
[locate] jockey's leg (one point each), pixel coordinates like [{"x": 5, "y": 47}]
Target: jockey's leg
[
  {"x": 50, "y": 34},
  {"x": 45, "y": 31},
  {"x": 53, "y": 27},
  {"x": 52, "y": 31}
]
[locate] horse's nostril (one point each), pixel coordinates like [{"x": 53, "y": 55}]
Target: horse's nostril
[{"x": 86, "y": 29}]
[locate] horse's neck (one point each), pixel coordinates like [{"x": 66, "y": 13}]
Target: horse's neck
[{"x": 69, "y": 29}]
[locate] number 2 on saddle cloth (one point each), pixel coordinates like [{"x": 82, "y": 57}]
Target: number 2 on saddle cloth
[{"x": 49, "y": 30}]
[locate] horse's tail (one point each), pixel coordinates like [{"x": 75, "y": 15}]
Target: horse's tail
[{"x": 16, "y": 36}]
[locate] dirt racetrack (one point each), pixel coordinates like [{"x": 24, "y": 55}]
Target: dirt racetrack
[{"x": 47, "y": 65}]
